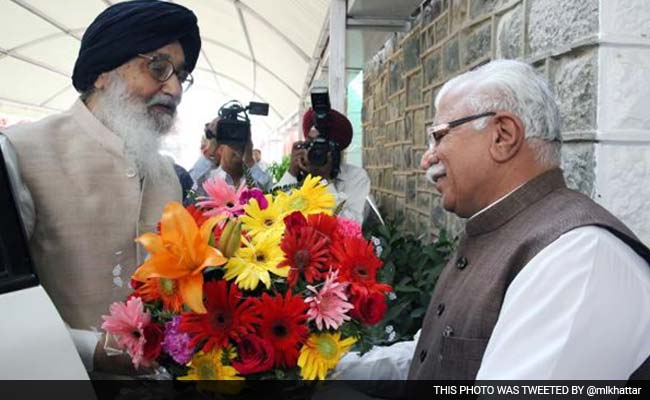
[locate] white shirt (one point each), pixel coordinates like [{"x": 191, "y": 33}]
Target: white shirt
[
  {"x": 351, "y": 185},
  {"x": 580, "y": 309}
]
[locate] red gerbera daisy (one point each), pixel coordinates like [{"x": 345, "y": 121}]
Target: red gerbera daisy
[
  {"x": 284, "y": 325},
  {"x": 306, "y": 252},
  {"x": 323, "y": 223},
  {"x": 357, "y": 263},
  {"x": 227, "y": 317}
]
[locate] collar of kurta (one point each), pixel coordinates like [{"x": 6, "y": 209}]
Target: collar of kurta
[
  {"x": 94, "y": 128},
  {"x": 516, "y": 202}
]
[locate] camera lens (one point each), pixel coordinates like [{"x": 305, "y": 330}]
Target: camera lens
[{"x": 317, "y": 156}]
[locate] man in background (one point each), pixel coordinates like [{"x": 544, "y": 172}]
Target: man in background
[
  {"x": 347, "y": 182},
  {"x": 209, "y": 159},
  {"x": 94, "y": 172}
]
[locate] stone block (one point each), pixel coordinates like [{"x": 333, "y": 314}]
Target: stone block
[
  {"x": 479, "y": 8},
  {"x": 451, "y": 57},
  {"x": 432, "y": 67},
  {"x": 393, "y": 108},
  {"x": 400, "y": 205},
  {"x": 400, "y": 130},
  {"x": 578, "y": 163},
  {"x": 414, "y": 90},
  {"x": 412, "y": 51},
  {"x": 625, "y": 17},
  {"x": 423, "y": 201},
  {"x": 396, "y": 81},
  {"x": 459, "y": 13},
  {"x": 408, "y": 126},
  {"x": 410, "y": 190},
  {"x": 477, "y": 42},
  {"x": 441, "y": 29},
  {"x": 624, "y": 86},
  {"x": 406, "y": 151},
  {"x": 509, "y": 35},
  {"x": 554, "y": 24},
  {"x": 574, "y": 80},
  {"x": 426, "y": 39},
  {"x": 622, "y": 184},
  {"x": 418, "y": 136}
]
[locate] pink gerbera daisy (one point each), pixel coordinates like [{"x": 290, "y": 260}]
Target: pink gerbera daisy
[
  {"x": 127, "y": 322},
  {"x": 329, "y": 306},
  {"x": 221, "y": 198}
]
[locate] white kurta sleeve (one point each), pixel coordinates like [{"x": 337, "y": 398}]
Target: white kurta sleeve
[
  {"x": 580, "y": 310},
  {"x": 287, "y": 179},
  {"x": 380, "y": 363}
]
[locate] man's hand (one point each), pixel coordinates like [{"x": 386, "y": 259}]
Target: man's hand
[
  {"x": 298, "y": 160},
  {"x": 115, "y": 365}
]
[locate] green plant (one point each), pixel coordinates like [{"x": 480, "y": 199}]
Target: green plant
[
  {"x": 412, "y": 267},
  {"x": 277, "y": 170}
]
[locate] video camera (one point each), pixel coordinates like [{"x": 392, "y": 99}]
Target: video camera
[
  {"x": 318, "y": 148},
  {"x": 234, "y": 126}
]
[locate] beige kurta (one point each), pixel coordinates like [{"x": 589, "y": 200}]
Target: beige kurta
[{"x": 90, "y": 205}]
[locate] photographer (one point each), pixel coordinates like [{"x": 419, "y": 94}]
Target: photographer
[
  {"x": 321, "y": 154},
  {"x": 209, "y": 159}
]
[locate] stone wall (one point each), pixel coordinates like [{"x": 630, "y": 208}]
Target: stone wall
[{"x": 558, "y": 37}]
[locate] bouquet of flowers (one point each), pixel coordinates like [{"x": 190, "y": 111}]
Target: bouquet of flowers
[{"x": 246, "y": 285}]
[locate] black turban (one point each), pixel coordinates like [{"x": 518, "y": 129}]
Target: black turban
[{"x": 124, "y": 30}]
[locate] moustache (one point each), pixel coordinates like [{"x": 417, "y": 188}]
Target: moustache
[
  {"x": 435, "y": 171},
  {"x": 164, "y": 100}
]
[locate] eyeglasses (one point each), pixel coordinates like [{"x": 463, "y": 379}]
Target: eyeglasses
[
  {"x": 437, "y": 132},
  {"x": 161, "y": 70}
]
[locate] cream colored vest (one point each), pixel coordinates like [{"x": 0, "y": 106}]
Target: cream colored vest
[{"x": 90, "y": 204}]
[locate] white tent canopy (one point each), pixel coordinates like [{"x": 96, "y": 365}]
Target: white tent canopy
[{"x": 252, "y": 50}]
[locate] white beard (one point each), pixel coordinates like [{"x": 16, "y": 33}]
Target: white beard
[{"x": 128, "y": 116}]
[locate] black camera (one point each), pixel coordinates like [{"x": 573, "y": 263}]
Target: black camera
[
  {"x": 234, "y": 126},
  {"x": 317, "y": 150}
]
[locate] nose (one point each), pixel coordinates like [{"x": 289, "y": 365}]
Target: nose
[
  {"x": 172, "y": 87},
  {"x": 429, "y": 158}
]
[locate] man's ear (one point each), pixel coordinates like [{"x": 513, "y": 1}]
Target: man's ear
[
  {"x": 507, "y": 137},
  {"x": 102, "y": 81}
]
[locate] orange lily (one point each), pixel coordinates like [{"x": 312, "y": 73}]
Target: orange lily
[{"x": 181, "y": 252}]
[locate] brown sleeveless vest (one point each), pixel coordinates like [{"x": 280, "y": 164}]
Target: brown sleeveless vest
[{"x": 496, "y": 245}]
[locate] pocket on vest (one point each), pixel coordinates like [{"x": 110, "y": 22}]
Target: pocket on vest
[{"x": 461, "y": 357}]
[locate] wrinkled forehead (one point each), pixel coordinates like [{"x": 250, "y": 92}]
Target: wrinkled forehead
[{"x": 452, "y": 105}]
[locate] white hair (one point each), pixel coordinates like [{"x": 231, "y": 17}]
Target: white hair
[
  {"x": 127, "y": 115},
  {"x": 514, "y": 86}
]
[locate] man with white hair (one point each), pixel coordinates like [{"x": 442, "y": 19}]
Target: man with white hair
[
  {"x": 94, "y": 172},
  {"x": 545, "y": 283}
]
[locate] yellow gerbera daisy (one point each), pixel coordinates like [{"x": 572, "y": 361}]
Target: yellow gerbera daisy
[
  {"x": 210, "y": 367},
  {"x": 269, "y": 220},
  {"x": 320, "y": 353},
  {"x": 253, "y": 263},
  {"x": 312, "y": 198}
]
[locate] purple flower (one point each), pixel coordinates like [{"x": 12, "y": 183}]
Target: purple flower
[
  {"x": 254, "y": 194},
  {"x": 176, "y": 343}
]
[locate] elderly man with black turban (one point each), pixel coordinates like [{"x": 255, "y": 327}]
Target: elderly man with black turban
[
  {"x": 348, "y": 183},
  {"x": 94, "y": 172}
]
